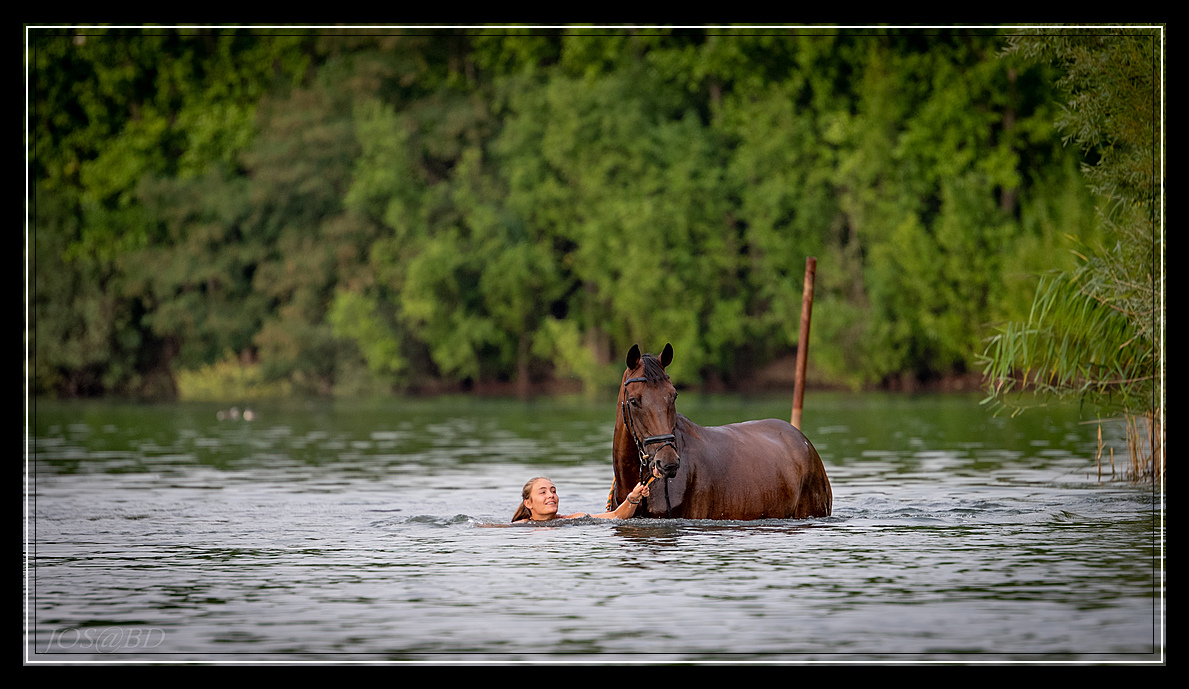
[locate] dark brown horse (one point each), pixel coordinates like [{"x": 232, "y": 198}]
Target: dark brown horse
[{"x": 750, "y": 470}]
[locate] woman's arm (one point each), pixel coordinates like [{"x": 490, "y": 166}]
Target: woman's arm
[{"x": 628, "y": 507}]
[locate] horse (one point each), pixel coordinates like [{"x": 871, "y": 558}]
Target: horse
[{"x": 742, "y": 471}]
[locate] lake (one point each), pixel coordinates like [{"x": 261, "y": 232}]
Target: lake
[{"x": 377, "y": 532}]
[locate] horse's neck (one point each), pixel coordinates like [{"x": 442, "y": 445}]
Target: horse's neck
[{"x": 624, "y": 453}]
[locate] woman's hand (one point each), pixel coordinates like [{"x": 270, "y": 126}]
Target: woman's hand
[{"x": 628, "y": 507}]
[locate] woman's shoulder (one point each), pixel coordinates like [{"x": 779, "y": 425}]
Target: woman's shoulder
[{"x": 576, "y": 515}]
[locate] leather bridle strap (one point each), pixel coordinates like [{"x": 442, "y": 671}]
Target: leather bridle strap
[{"x": 642, "y": 445}]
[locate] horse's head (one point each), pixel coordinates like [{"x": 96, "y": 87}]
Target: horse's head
[{"x": 648, "y": 404}]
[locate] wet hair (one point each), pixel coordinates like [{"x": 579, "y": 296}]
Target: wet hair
[
  {"x": 523, "y": 512},
  {"x": 653, "y": 369}
]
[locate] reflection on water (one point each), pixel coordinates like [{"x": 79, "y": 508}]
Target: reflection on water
[{"x": 352, "y": 532}]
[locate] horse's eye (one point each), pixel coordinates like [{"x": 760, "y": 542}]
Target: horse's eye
[{"x": 635, "y": 401}]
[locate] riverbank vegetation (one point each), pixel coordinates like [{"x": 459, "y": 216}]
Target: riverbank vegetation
[
  {"x": 357, "y": 212},
  {"x": 1095, "y": 331}
]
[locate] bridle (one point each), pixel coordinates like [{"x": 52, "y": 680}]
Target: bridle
[{"x": 642, "y": 445}]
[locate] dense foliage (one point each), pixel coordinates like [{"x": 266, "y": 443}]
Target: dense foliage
[
  {"x": 353, "y": 212},
  {"x": 1095, "y": 331}
]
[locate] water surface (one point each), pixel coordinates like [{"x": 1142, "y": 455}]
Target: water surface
[{"x": 378, "y": 532}]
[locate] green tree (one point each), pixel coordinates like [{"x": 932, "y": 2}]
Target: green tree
[
  {"x": 354, "y": 211},
  {"x": 1096, "y": 332},
  {"x": 618, "y": 168},
  {"x": 109, "y": 109}
]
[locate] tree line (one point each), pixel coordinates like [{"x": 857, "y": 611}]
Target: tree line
[{"x": 363, "y": 211}]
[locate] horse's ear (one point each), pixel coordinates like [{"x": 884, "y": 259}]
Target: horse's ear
[
  {"x": 633, "y": 356},
  {"x": 667, "y": 355}
]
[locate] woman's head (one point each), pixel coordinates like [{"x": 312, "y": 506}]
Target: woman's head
[{"x": 538, "y": 500}]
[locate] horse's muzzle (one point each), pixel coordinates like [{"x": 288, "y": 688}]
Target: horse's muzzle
[
  {"x": 665, "y": 460},
  {"x": 666, "y": 468}
]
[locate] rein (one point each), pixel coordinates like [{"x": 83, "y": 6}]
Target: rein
[{"x": 642, "y": 445}]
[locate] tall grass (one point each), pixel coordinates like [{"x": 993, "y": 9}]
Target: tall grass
[
  {"x": 1144, "y": 436},
  {"x": 1075, "y": 343}
]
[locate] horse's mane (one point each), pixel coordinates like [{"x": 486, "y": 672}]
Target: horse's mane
[{"x": 653, "y": 370}]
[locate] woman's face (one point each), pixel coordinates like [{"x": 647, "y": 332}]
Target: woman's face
[{"x": 542, "y": 500}]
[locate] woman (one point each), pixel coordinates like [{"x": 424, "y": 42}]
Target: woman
[{"x": 540, "y": 502}]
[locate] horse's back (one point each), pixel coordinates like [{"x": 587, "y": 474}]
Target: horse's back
[{"x": 769, "y": 461}]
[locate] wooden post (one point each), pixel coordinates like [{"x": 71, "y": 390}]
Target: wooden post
[{"x": 803, "y": 341}]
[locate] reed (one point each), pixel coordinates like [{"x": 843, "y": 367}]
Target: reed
[{"x": 1144, "y": 437}]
